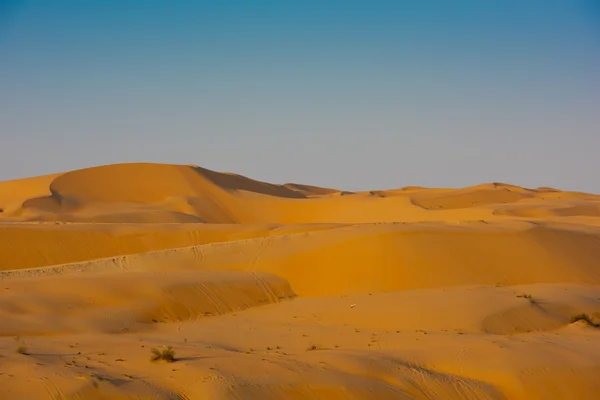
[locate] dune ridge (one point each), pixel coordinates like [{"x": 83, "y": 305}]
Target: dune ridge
[
  {"x": 294, "y": 291},
  {"x": 178, "y": 193}
]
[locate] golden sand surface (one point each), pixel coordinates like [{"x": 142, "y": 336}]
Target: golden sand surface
[{"x": 293, "y": 291}]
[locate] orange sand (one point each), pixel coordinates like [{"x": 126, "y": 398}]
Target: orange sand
[{"x": 294, "y": 291}]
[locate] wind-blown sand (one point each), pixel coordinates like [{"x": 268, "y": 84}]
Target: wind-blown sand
[{"x": 294, "y": 291}]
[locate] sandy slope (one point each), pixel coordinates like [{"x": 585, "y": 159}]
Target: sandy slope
[{"x": 294, "y": 291}]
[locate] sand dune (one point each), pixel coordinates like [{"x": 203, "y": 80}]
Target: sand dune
[
  {"x": 387, "y": 257},
  {"x": 30, "y": 245},
  {"x": 182, "y": 194},
  {"x": 116, "y": 303},
  {"x": 294, "y": 291}
]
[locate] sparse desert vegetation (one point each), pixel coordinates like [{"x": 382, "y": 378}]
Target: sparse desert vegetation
[{"x": 165, "y": 355}]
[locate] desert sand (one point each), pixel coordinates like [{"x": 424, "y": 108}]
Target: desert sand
[{"x": 294, "y": 291}]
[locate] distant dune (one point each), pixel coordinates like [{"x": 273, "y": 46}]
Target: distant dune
[
  {"x": 175, "y": 193},
  {"x": 294, "y": 291}
]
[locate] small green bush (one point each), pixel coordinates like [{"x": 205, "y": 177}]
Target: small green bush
[{"x": 167, "y": 355}]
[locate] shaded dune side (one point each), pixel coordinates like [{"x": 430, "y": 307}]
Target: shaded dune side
[
  {"x": 387, "y": 257},
  {"x": 309, "y": 190},
  {"x": 238, "y": 182},
  {"x": 126, "y": 302}
]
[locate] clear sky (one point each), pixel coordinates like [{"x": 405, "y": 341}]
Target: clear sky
[{"x": 350, "y": 94}]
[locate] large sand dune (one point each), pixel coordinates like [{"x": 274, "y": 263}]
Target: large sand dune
[
  {"x": 175, "y": 193},
  {"x": 294, "y": 291}
]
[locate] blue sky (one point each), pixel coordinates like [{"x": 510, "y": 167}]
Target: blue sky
[{"x": 349, "y": 94}]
